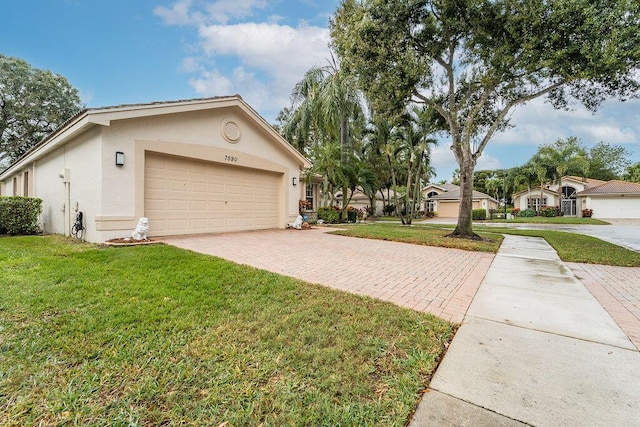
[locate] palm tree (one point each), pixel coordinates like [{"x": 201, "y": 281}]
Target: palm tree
[
  {"x": 326, "y": 104},
  {"x": 561, "y": 157}
]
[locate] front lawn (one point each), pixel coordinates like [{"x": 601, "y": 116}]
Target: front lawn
[
  {"x": 154, "y": 335},
  {"x": 574, "y": 247},
  {"x": 420, "y": 235},
  {"x": 571, "y": 247},
  {"x": 551, "y": 220}
]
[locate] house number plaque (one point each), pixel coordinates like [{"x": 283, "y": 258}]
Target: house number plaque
[{"x": 233, "y": 159}]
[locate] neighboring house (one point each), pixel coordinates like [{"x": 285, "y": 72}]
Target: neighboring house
[
  {"x": 192, "y": 166},
  {"x": 613, "y": 199},
  {"x": 360, "y": 200},
  {"x": 569, "y": 201},
  {"x": 445, "y": 200}
]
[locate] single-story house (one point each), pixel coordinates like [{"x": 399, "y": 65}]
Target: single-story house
[
  {"x": 190, "y": 166},
  {"x": 607, "y": 199},
  {"x": 613, "y": 199},
  {"x": 360, "y": 200},
  {"x": 445, "y": 200}
]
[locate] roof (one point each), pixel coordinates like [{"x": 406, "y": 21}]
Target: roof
[
  {"x": 587, "y": 182},
  {"x": 614, "y": 187},
  {"x": 103, "y": 116},
  {"x": 452, "y": 192}
]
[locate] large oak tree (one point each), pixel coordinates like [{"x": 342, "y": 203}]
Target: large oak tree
[
  {"x": 474, "y": 61},
  {"x": 33, "y": 103}
]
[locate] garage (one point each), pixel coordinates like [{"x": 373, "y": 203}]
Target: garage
[
  {"x": 621, "y": 207},
  {"x": 188, "y": 196}
]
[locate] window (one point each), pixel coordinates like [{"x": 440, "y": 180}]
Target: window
[
  {"x": 15, "y": 185},
  {"x": 25, "y": 184},
  {"x": 431, "y": 204},
  {"x": 534, "y": 203},
  {"x": 309, "y": 196}
]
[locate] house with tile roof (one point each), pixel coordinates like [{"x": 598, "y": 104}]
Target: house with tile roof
[
  {"x": 607, "y": 199},
  {"x": 190, "y": 166},
  {"x": 445, "y": 200},
  {"x": 612, "y": 199}
]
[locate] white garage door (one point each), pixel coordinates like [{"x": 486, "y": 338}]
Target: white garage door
[
  {"x": 184, "y": 196},
  {"x": 616, "y": 208}
]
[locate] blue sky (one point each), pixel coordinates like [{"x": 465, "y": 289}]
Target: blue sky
[{"x": 133, "y": 51}]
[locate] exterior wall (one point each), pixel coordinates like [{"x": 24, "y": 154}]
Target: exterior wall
[
  {"x": 61, "y": 200},
  {"x": 195, "y": 135},
  {"x": 81, "y": 160},
  {"x": 612, "y": 207},
  {"x": 521, "y": 200}
]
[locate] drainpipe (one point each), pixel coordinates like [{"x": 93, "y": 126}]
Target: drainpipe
[{"x": 66, "y": 208}]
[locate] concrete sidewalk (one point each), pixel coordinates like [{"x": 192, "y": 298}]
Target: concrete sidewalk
[{"x": 536, "y": 348}]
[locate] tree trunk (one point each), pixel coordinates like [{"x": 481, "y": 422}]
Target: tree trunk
[
  {"x": 408, "y": 209},
  {"x": 464, "y": 227},
  {"x": 344, "y": 145},
  {"x": 395, "y": 187}
]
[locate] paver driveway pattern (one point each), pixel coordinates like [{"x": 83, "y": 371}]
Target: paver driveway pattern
[
  {"x": 618, "y": 290},
  {"x": 429, "y": 279}
]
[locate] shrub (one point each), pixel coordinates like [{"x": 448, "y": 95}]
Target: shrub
[
  {"x": 431, "y": 214},
  {"x": 479, "y": 214},
  {"x": 587, "y": 213},
  {"x": 527, "y": 213},
  {"x": 549, "y": 211},
  {"x": 19, "y": 215},
  {"x": 352, "y": 214},
  {"x": 515, "y": 211},
  {"x": 389, "y": 209},
  {"x": 329, "y": 214}
]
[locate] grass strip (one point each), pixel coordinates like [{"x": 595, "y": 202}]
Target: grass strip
[{"x": 421, "y": 235}]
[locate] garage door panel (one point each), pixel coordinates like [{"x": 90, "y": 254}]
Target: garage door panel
[
  {"x": 154, "y": 183},
  {"x": 189, "y": 196},
  {"x": 198, "y": 187}
]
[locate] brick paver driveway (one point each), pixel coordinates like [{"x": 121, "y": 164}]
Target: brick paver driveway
[{"x": 434, "y": 280}]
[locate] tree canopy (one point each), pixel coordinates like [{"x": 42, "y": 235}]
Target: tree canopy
[
  {"x": 474, "y": 61},
  {"x": 33, "y": 103}
]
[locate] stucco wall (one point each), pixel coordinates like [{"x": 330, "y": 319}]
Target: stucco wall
[
  {"x": 162, "y": 134},
  {"x": 81, "y": 158}
]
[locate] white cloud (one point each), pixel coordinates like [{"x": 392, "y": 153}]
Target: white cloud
[
  {"x": 275, "y": 56},
  {"x": 178, "y": 14},
  {"x": 224, "y": 10},
  {"x": 276, "y": 49}
]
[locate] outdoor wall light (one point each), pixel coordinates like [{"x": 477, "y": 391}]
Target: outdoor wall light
[
  {"x": 295, "y": 181},
  {"x": 119, "y": 158}
]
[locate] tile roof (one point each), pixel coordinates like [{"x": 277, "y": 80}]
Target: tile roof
[
  {"x": 453, "y": 193},
  {"x": 613, "y": 187},
  {"x": 589, "y": 182}
]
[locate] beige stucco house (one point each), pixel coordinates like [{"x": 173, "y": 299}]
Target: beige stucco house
[
  {"x": 192, "y": 166},
  {"x": 445, "y": 200},
  {"x": 607, "y": 199}
]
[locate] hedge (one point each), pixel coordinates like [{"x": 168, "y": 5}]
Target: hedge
[
  {"x": 329, "y": 214},
  {"x": 479, "y": 214},
  {"x": 19, "y": 215}
]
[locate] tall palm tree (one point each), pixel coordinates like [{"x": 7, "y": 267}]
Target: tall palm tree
[
  {"x": 561, "y": 157},
  {"x": 326, "y": 102}
]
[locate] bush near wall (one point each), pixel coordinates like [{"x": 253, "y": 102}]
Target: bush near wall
[
  {"x": 479, "y": 214},
  {"x": 329, "y": 214},
  {"x": 550, "y": 211},
  {"x": 19, "y": 215},
  {"x": 527, "y": 213}
]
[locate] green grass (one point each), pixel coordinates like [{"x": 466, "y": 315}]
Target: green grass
[
  {"x": 421, "y": 235},
  {"x": 552, "y": 220},
  {"x": 154, "y": 335},
  {"x": 573, "y": 247}
]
